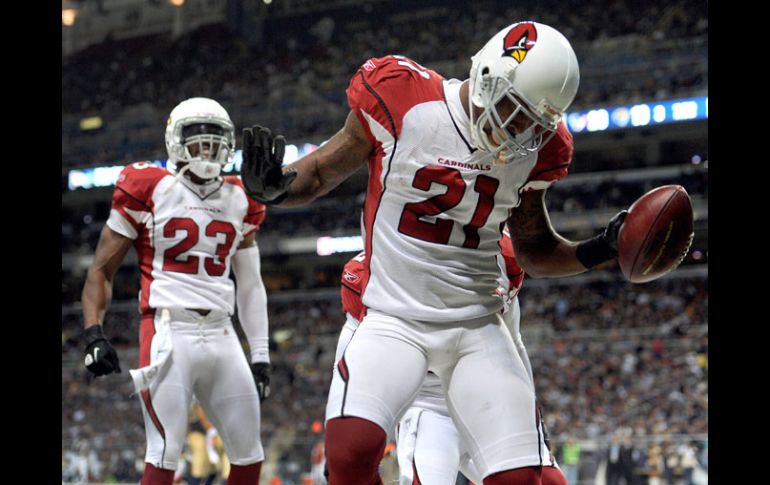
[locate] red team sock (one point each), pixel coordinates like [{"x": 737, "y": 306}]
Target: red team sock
[
  {"x": 156, "y": 476},
  {"x": 519, "y": 476},
  {"x": 244, "y": 474},
  {"x": 354, "y": 449},
  {"x": 553, "y": 476}
]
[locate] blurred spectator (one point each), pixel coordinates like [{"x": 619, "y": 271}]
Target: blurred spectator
[
  {"x": 688, "y": 462},
  {"x": 655, "y": 464},
  {"x": 627, "y": 461},
  {"x": 614, "y": 465},
  {"x": 570, "y": 460}
]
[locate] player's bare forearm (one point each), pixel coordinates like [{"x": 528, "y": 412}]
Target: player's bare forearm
[
  {"x": 324, "y": 169},
  {"x": 97, "y": 291},
  {"x": 540, "y": 251}
]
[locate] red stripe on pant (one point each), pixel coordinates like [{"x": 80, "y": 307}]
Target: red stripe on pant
[
  {"x": 146, "y": 333},
  {"x": 415, "y": 476},
  {"x": 342, "y": 366},
  {"x": 151, "y": 411}
]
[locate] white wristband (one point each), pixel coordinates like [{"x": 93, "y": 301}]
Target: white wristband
[{"x": 259, "y": 350}]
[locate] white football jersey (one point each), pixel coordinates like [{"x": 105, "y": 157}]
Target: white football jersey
[
  {"x": 435, "y": 206},
  {"x": 184, "y": 235}
]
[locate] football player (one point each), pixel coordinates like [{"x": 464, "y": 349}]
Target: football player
[
  {"x": 450, "y": 162},
  {"x": 190, "y": 227}
]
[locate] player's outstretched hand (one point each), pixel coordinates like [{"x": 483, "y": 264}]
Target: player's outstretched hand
[
  {"x": 100, "y": 358},
  {"x": 261, "y": 373},
  {"x": 261, "y": 171}
]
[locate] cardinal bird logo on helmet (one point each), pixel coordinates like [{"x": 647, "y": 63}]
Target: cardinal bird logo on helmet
[{"x": 519, "y": 40}]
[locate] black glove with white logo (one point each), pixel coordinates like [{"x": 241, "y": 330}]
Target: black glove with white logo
[
  {"x": 261, "y": 373},
  {"x": 261, "y": 171},
  {"x": 100, "y": 358}
]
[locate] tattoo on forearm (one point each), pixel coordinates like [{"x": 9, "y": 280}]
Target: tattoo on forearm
[{"x": 532, "y": 230}]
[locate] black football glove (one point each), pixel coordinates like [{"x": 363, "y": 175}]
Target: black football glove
[
  {"x": 603, "y": 247},
  {"x": 100, "y": 358},
  {"x": 261, "y": 373},
  {"x": 261, "y": 171},
  {"x": 613, "y": 229}
]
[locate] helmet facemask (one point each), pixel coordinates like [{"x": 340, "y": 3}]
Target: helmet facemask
[
  {"x": 204, "y": 147},
  {"x": 211, "y": 147},
  {"x": 503, "y": 145}
]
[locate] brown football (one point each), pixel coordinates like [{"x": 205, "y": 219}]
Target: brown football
[{"x": 656, "y": 234}]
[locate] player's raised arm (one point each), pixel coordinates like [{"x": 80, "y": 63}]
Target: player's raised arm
[
  {"x": 542, "y": 252},
  {"x": 308, "y": 178}
]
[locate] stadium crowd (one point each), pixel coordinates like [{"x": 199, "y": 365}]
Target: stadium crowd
[{"x": 295, "y": 82}]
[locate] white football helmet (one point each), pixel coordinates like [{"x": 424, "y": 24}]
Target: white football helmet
[
  {"x": 534, "y": 66},
  {"x": 204, "y": 123}
]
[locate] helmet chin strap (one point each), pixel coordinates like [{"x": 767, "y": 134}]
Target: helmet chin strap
[
  {"x": 182, "y": 172},
  {"x": 471, "y": 118},
  {"x": 178, "y": 176}
]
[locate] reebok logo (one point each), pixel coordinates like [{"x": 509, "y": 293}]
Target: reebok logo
[{"x": 351, "y": 277}]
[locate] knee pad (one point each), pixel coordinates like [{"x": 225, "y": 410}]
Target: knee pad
[
  {"x": 354, "y": 448},
  {"x": 520, "y": 476},
  {"x": 244, "y": 474},
  {"x": 156, "y": 476},
  {"x": 553, "y": 476}
]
